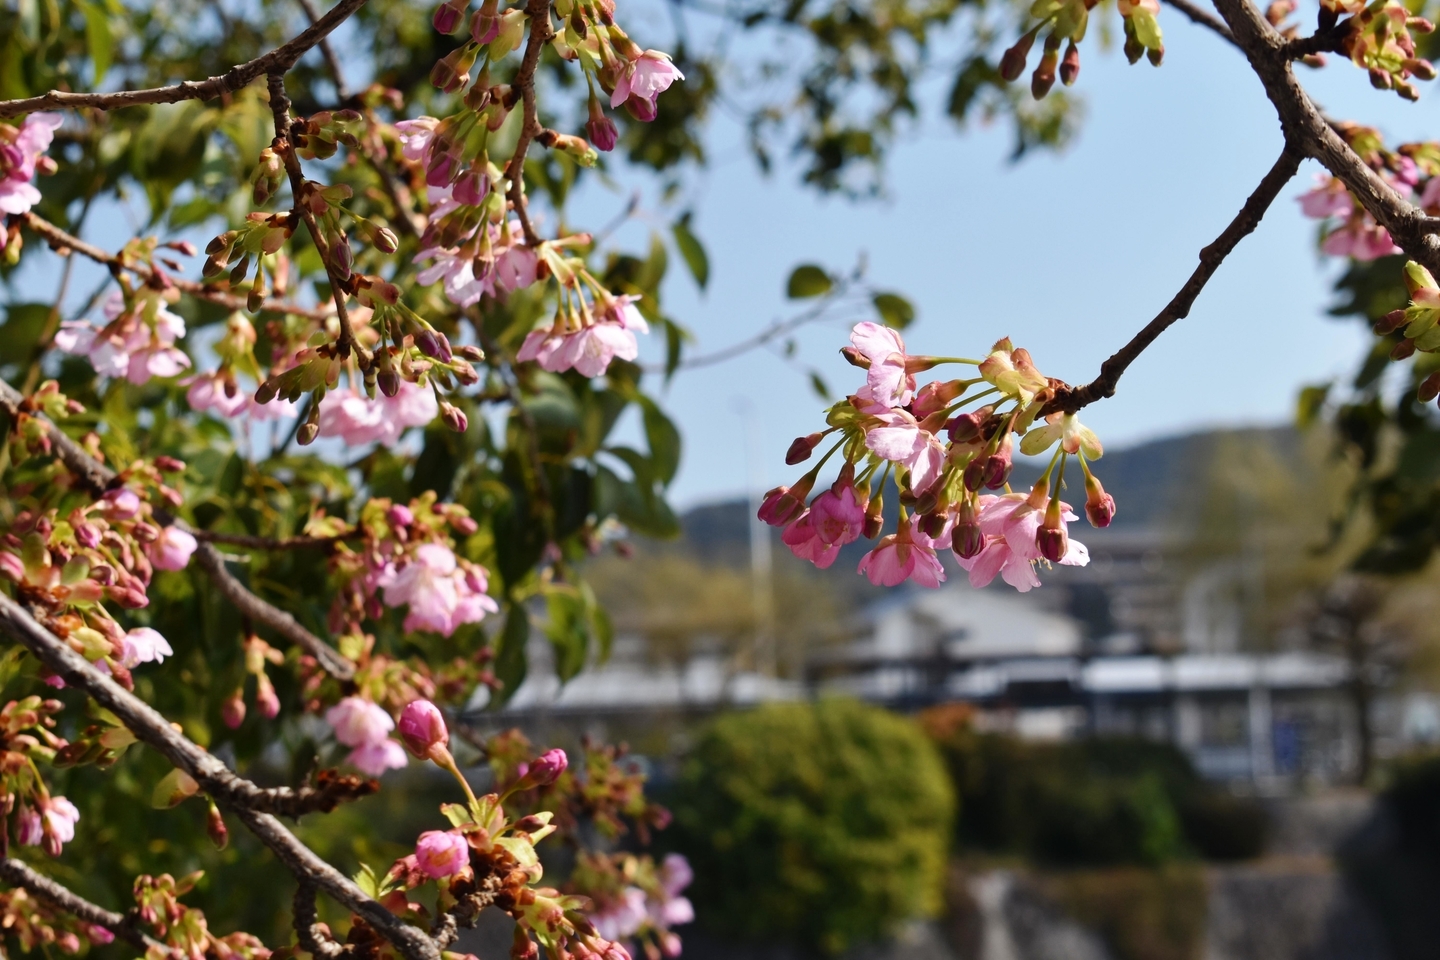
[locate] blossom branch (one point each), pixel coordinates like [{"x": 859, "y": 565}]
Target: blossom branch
[
  {"x": 280, "y": 107},
  {"x": 17, "y": 873},
  {"x": 540, "y": 33},
  {"x": 1307, "y": 128},
  {"x": 279, "y": 60},
  {"x": 1071, "y": 399},
  {"x": 243, "y": 798},
  {"x": 65, "y": 243},
  {"x": 97, "y": 478}
]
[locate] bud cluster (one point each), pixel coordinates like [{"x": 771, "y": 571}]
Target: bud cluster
[
  {"x": 893, "y": 424},
  {"x": 1067, "y": 21}
]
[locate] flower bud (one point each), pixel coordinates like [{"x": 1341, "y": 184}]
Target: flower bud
[
  {"x": 389, "y": 382},
  {"x": 1403, "y": 350},
  {"x": 855, "y": 358},
  {"x": 974, "y": 475},
  {"x": 801, "y": 448},
  {"x": 1052, "y": 542},
  {"x": 641, "y": 109},
  {"x": 447, "y": 17},
  {"x": 933, "y": 525},
  {"x": 307, "y": 433},
  {"x": 784, "y": 504},
  {"x": 874, "y": 521},
  {"x": 1070, "y": 66},
  {"x": 1099, "y": 505},
  {"x": 1156, "y": 55},
  {"x": 215, "y": 827},
  {"x": 471, "y": 353},
  {"x": 547, "y": 767},
  {"x": 1429, "y": 388},
  {"x": 422, "y": 728},
  {"x": 454, "y": 417},
  {"x": 1012, "y": 63},
  {"x": 1389, "y": 323},
  {"x": 385, "y": 240},
  {"x": 232, "y": 709},
  {"x": 602, "y": 133},
  {"x": 967, "y": 539},
  {"x": 1044, "y": 76},
  {"x": 522, "y": 947}
]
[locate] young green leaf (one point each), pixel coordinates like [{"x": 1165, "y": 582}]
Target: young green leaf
[{"x": 808, "y": 280}]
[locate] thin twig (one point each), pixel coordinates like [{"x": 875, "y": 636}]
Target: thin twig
[
  {"x": 280, "y": 59},
  {"x": 1071, "y": 399},
  {"x": 280, "y": 108},
  {"x": 313, "y": 938},
  {"x": 17, "y": 873},
  {"x": 331, "y": 61},
  {"x": 65, "y": 243},
  {"x": 540, "y": 33}
]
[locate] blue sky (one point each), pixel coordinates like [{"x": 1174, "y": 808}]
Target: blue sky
[{"x": 1069, "y": 255}]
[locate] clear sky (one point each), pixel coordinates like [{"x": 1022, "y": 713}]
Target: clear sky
[{"x": 1069, "y": 255}]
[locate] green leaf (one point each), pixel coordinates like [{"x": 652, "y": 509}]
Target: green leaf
[
  {"x": 808, "y": 280},
  {"x": 99, "y": 40},
  {"x": 692, "y": 250},
  {"x": 818, "y": 385},
  {"x": 456, "y": 813},
  {"x": 365, "y": 880},
  {"x": 565, "y": 627},
  {"x": 894, "y": 310},
  {"x": 1309, "y": 404},
  {"x": 176, "y": 787},
  {"x": 24, "y": 323},
  {"x": 664, "y": 440}
]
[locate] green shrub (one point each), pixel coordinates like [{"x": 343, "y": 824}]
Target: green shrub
[
  {"x": 821, "y": 825},
  {"x": 1093, "y": 802},
  {"x": 1143, "y": 914}
]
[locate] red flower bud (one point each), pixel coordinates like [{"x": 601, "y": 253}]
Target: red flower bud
[
  {"x": 1429, "y": 388},
  {"x": 801, "y": 448},
  {"x": 1070, "y": 66},
  {"x": 1052, "y": 542}
]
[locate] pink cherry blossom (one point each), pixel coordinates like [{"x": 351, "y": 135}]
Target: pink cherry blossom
[
  {"x": 999, "y": 558},
  {"x": 357, "y": 721},
  {"x": 669, "y": 908},
  {"x": 838, "y": 516},
  {"x": 1361, "y": 238},
  {"x": 906, "y": 554},
  {"x": 172, "y": 550},
  {"x": 358, "y": 420},
  {"x": 441, "y": 853},
  {"x": 422, "y": 727},
  {"x": 886, "y": 381},
  {"x": 471, "y": 271},
  {"x": 20, "y": 152},
  {"x": 60, "y": 817},
  {"x": 215, "y": 391},
  {"x": 589, "y": 349},
  {"x": 29, "y": 827},
  {"x": 898, "y": 437},
  {"x": 1010, "y": 524},
  {"x": 623, "y": 916},
  {"x": 416, "y": 136},
  {"x": 144, "y": 645},
  {"x": 645, "y": 78},
  {"x": 1430, "y": 196},
  {"x": 374, "y": 758},
  {"x": 804, "y": 541},
  {"x": 441, "y": 595},
  {"x": 1329, "y": 198},
  {"x": 547, "y": 767},
  {"x": 136, "y": 344}
]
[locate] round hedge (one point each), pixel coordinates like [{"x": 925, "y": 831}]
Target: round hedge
[{"x": 818, "y": 824}]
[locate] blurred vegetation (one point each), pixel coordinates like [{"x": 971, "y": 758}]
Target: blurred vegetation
[
  {"x": 821, "y": 825},
  {"x": 1142, "y": 914},
  {"x": 1091, "y": 802}
]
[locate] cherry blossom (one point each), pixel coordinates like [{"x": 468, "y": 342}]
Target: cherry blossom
[
  {"x": 887, "y": 381},
  {"x": 670, "y": 909},
  {"x": 440, "y": 593},
  {"x": 374, "y": 758},
  {"x": 358, "y": 420},
  {"x": 441, "y": 853},
  {"x": 589, "y": 348},
  {"x": 643, "y": 79},
  {"x": 356, "y": 721},
  {"x": 1361, "y": 238},
  {"x": 838, "y": 515},
  {"x": 804, "y": 541},
  {"x": 172, "y": 550},
  {"x": 622, "y": 916},
  {"x": 215, "y": 391},
  {"x": 906, "y": 554},
  {"x": 20, "y": 156},
  {"x": 144, "y": 645},
  {"x": 898, "y": 437},
  {"x": 135, "y": 343}
]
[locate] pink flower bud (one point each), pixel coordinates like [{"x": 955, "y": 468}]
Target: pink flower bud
[
  {"x": 602, "y": 133},
  {"x": 454, "y": 417},
  {"x": 215, "y": 827},
  {"x": 801, "y": 448},
  {"x": 784, "y": 504},
  {"x": 87, "y": 534},
  {"x": 1052, "y": 543},
  {"x": 547, "y": 767},
  {"x": 400, "y": 515},
  {"x": 446, "y": 19},
  {"x": 12, "y": 566},
  {"x": 121, "y": 504},
  {"x": 1012, "y": 62},
  {"x": 232, "y": 709},
  {"x": 1429, "y": 388},
  {"x": 1389, "y": 323},
  {"x": 422, "y": 728},
  {"x": 1099, "y": 505}
]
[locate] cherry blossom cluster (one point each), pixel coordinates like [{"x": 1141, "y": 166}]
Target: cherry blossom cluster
[
  {"x": 893, "y": 425},
  {"x": 65, "y": 566},
  {"x": 1067, "y": 21},
  {"x": 22, "y": 156},
  {"x": 1413, "y": 169},
  {"x": 137, "y": 340},
  {"x": 1378, "y": 37},
  {"x": 36, "y": 925},
  {"x": 488, "y": 851},
  {"x": 637, "y": 900},
  {"x": 183, "y": 928},
  {"x": 33, "y": 816}
]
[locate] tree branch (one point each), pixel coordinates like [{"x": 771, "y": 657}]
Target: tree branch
[
  {"x": 64, "y": 243},
  {"x": 540, "y": 33},
  {"x": 241, "y": 797},
  {"x": 1307, "y": 129},
  {"x": 97, "y": 478},
  {"x": 17, "y": 873},
  {"x": 250, "y": 542},
  {"x": 312, "y": 937},
  {"x": 280, "y": 59},
  {"x": 1071, "y": 399}
]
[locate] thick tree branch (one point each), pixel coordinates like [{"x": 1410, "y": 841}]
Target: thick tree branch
[
  {"x": 96, "y": 477},
  {"x": 540, "y": 33},
  {"x": 17, "y": 873},
  {"x": 241, "y": 797},
  {"x": 62, "y": 242},
  {"x": 1309, "y": 131},
  {"x": 1071, "y": 399},
  {"x": 279, "y": 60}
]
